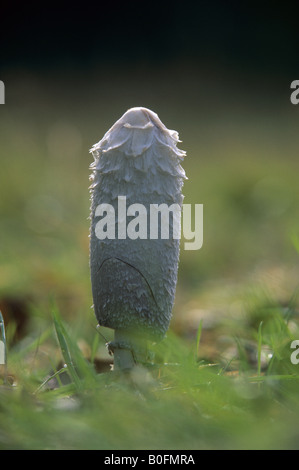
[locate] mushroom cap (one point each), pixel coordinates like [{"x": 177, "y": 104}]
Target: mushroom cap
[
  {"x": 135, "y": 132},
  {"x": 134, "y": 281}
]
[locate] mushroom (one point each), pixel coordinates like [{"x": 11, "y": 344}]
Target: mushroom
[{"x": 134, "y": 261}]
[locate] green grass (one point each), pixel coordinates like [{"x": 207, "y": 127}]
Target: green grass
[
  {"x": 222, "y": 378},
  {"x": 177, "y": 400}
]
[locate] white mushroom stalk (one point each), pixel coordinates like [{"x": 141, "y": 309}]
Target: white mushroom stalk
[{"x": 133, "y": 261}]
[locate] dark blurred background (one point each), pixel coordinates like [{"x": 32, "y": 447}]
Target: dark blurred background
[
  {"x": 218, "y": 72},
  {"x": 257, "y": 36}
]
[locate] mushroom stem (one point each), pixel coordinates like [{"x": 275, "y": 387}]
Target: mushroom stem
[{"x": 128, "y": 349}]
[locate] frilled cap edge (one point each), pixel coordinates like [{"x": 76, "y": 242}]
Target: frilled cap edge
[{"x": 135, "y": 132}]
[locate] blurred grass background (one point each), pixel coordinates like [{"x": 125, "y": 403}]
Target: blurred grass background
[
  {"x": 228, "y": 95},
  {"x": 241, "y": 163}
]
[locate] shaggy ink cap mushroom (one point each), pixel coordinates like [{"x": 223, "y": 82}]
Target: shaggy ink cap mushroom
[{"x": 134, "y": 280}]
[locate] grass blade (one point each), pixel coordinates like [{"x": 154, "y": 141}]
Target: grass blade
[
  {"x": 62, "y": 337},
  {"x": 259, "y": 349},
  {"x": 198, "y": 336},
  {"x": 3, "y": 346}
]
